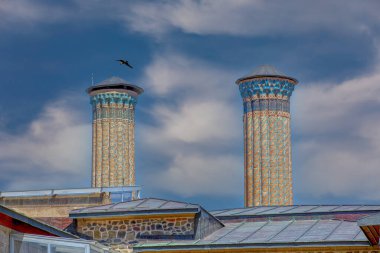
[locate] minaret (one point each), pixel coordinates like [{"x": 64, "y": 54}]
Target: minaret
[
  {"x": 267, "y": 143},
  {"x": 113, "y": 132}
]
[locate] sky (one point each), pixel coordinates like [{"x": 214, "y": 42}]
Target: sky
[{"x": 187, "y": 56}]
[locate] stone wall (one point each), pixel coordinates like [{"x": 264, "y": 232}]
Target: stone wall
[
  {"x": 4, "y": 239},
  {"x": 127, "y": 230}
]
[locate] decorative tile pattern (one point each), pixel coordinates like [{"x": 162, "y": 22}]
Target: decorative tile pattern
[
  {"x": 113, "y": 156},
  {"x": 267, "y": 145}
]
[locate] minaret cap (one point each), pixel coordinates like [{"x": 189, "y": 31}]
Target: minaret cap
[
  {"x": 266, "y": 71},
  {"x": 116, "y": 84}
]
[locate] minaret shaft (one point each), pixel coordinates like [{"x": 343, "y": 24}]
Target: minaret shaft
[
  {"x": 113, "y": 132},
  {"x": 113, "y": 140},
  {"x": 267, "y": 140}
]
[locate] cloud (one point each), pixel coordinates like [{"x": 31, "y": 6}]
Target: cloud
[
  {"x": 29, "y": 13},
  {"x": 195, "y": 129},
  {"x": 202, "y": 174},
  {"x": 196, "y": 121},
  {"x": 252, "y": 18},
  {"x": 54, "y": 150},
  {"x": 338, "y": 142},
  {"x": 202, "y": 17},
  {"x": 22, "y": 15}
]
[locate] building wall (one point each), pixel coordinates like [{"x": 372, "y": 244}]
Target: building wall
[
  {"x": 267, "y": 141},
  {"x": 50, "y": 206},
  {"x": 124, "y": 230},
  {"x": 4, "y": 239}
]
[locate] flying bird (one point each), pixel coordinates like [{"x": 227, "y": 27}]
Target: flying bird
[{"x": 125, "y": 62}]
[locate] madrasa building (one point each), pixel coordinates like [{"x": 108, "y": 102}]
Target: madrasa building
[{"x": 111, "y": 217}]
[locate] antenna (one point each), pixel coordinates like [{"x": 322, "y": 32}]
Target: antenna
[{"x": 92, "y": 79}]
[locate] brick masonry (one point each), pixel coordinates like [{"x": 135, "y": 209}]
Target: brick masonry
[{"x": 267, "y": 141}]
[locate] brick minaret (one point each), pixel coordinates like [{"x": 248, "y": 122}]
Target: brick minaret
[
  {"x": 267, "y": 143},
  {"x": 113, "y": 132}
]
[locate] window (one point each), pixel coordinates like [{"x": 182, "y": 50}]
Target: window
[
  {"x": 45, "y": 244},
  {"x": 29, "y": 247}
]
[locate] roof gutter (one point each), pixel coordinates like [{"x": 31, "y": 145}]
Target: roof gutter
[{"x": 188, "y": 247}]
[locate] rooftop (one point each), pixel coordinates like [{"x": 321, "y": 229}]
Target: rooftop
[
  {"x": 140, "y": 206},
  {"x": 269, "y": 211},
  {"x": 72, "y": 191},
  {"x": 115, "y": 82},
  {"x": 35, "y": 223},
  {"x": 265, "y": 71},
  {"x": 289, "y": 233}
]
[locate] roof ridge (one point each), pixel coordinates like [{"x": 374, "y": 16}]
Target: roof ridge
[{"x": 169, "y": 200}]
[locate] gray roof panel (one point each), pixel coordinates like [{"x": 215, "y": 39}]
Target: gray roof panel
[
  {"x": 320, "y": 231},
  {"x": 255, "y": 211},
  {"x": 300, "y": 209},
  {"x": 346, "y": 208},
  {"x": 286, "y": 233},
  {"x": 294, "y": 231},
  {"x": 345, "y": 231},
  {"x": 278, "y": 210},
  {"x": 268, "y": 231},
  {"x": 264, "y": 211},
  {"x": 148, "y": 205},
  {"x": 321, "y": 209}
]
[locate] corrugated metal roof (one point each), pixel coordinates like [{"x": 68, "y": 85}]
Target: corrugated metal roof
[
  {"x": 262, "y": 211},
  {"x": 140, "y": 206},
  {"x": 271, "y": 233}
]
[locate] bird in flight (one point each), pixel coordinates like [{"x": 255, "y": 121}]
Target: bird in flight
[{"x": 125, "y": 62}]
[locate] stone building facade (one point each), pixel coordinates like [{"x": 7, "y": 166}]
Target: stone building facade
[
  {"x": 116, "y": 231},
  {"x": 124, "y": 224},
  {"x": 267, "y": 137}
]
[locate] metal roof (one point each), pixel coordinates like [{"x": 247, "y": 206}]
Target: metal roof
[
  {"x": 289, "y": 233},
  {"x": 268, "y": 211},
  {"x": 140, "y": 206},
  {"x": 71, "y": 191},
  {"x": 265, "y": 71},
  {"x": 115, "y": 82},
  {"x": 370, "y": 220},
  {"x": 370, "y": 226}
]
